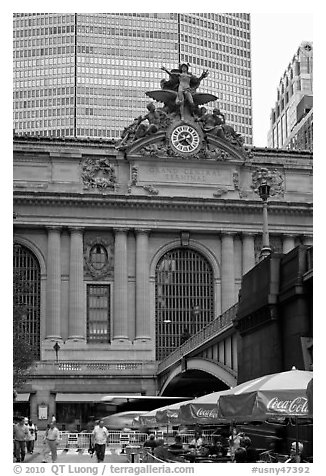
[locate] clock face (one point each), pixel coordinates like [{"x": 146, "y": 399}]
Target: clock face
[{"x": 185, "y": 139}]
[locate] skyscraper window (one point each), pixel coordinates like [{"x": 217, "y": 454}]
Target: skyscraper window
[{"x": 137, "y": 45}]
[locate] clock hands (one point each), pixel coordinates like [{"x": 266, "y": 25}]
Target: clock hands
[{"x": 185, "y": 139}]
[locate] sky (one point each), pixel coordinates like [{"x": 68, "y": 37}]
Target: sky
[{"x": 275, "y": 38}]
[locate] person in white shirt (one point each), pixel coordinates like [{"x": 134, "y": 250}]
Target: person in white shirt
[
  {"x": 52, "y": 440},
  {"x": 32, "y": 437},
  {"x": 99, "y": 438},
  {"x": 196, "y": 442}
]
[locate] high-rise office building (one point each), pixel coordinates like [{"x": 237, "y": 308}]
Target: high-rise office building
[
  {"x": 86, "y": 75},
  {"x": 291, "y": 121}
]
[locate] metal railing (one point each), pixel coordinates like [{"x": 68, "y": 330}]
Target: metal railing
[
  {"x": 89, "y": 367},
  {"x": 217, "y": 326},
  {"x": 309, "y": 259},
  {"x": 116, "y": 438}
]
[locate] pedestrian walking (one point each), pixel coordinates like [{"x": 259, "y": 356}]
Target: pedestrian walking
[
  {"x": 52, "y": 441},
  {"x": 45, "y": 448},
  {"x": 32, "y": 436},
  {"x": 20, "y": 436},
  {"x": 99, "y": 439}
]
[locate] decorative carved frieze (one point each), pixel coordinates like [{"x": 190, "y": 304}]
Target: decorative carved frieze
[
  {"x": 273, "y": 178},
  {"x": 104, "y": 267},
  {"x": 159, "y": 149},
  {"x": 134, "y": 175},
  {"x": 98, "y": 174},
  {"x": 215, "y": 154},
  {"x": 150, "y": 189},
  {"x": 219, "y": 192},
  {"x": 236, "y": 182}
]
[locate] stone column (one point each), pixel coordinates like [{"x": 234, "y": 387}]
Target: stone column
[
  {"x": 120, "y": 294},
  {"x": 307, "y": 240},
  {"x": 248, "y": 252},
  {"x": 227, "y": 277},
  {"x": 76, "y": 323},
  {"x": 288, "y": 243},
  {"x": 53, "y": 285},
  {"x": 142, "y": 286}
]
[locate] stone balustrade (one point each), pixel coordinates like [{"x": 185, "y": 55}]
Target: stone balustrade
[{"x": 88, "y": 367}]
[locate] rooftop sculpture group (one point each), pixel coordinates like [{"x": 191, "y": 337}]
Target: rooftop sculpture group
[{"x": 182, "y": 105}]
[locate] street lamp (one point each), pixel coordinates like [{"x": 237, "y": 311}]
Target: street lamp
[
  {"x": 262, "y": 180},
  {"x": 56, "y": 348},
  {"x": 194, "y": 316},
  {"x": 265, "y": 251}
]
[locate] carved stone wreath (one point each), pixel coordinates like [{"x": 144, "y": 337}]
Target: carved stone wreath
[
  {"x": 108, "y": 268},
  {"x": 98, "y": 174},
  {"x": 272, "y": 177}
]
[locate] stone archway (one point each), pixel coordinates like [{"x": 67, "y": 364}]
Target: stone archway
[{"x": 224, "y": 377}]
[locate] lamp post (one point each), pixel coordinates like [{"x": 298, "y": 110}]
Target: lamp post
[
  {"x": 56, "y": 348},
  {"x": 264, "y": 190},
  {"x": 195, "y": 313},
  {"x": 262, "y": 180}
]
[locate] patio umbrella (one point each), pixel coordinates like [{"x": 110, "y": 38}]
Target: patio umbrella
[
  {"x": 202, "y": 410},
  {"x": 148, "y": 419},
  {"x": 276, "y": 395},
  {"x": 169, "y": 415}
]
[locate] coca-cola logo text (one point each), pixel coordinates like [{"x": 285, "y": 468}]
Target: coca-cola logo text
[
  {"x": 206, "y": 413},
  {"x": 298, "y": 405}
]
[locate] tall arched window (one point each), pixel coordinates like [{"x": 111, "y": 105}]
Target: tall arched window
[
  {"x": 184, "y": 298},
  {"x": 27, "y": 283}
]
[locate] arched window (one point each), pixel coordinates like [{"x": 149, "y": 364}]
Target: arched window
[
  {"x": 27, "y": 283},
  {"x": 184, "y": 298}
]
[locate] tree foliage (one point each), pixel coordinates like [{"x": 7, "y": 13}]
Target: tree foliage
[{"x": 23, "y": 357}]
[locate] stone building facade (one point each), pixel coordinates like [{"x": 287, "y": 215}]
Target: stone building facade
[{"x": 115, "y": 237}]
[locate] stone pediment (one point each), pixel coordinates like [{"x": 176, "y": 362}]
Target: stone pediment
[{"x": 213, "y": 148}]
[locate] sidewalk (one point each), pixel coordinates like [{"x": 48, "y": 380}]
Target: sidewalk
[{"x": 112, "y": 455}]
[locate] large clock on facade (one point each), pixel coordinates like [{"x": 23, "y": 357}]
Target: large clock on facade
[{"x": 185, "y": 139}]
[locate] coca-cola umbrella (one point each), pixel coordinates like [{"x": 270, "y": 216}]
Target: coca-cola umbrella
[
  {"x": 276, "y": 395},
  {"x": 148, "y": 419},
  {"x": 202, "y": 410},
  {"x": 162, "y": 416},
  {"x": 169, "y": 415}
]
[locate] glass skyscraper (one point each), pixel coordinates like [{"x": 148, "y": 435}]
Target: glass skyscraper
[{"x": 85, "y": 75}]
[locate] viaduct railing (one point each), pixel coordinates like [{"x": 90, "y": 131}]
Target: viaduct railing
[{"x": 217, "y": 326}]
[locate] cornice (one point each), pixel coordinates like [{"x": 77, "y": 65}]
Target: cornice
[{"x": 156, "y": 202}]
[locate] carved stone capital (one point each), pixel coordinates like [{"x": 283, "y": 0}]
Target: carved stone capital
[
  {"x": 76, "y": 229},
  {"x": 144, "y": 231},
  {"x": 228, "y": 233},
  {"x": 291, "y": 236},
  {"x": 249, "y": 234},
  {"x": 53, "y": 228},
  {"x": 120, "y": 230}
]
